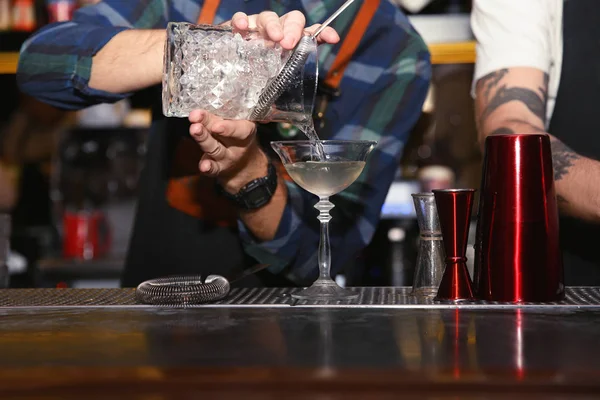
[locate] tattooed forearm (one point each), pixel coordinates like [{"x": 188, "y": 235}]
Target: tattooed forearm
[
  {"x": 521, "y": 126},
  {"x": 518, "y": 126},
  {"x": 491, "y": 80},
  {"x": 563, "y": 158},
  {"x": 544, "y": 89},
  {"x": 534, "y": 102},
  {"x": 502, "y": 131}
]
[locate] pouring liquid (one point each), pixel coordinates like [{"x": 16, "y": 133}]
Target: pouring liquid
[{"x": 308, "y": 129}]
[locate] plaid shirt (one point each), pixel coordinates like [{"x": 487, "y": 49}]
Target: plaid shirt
[{"x": 383, "y": 90}]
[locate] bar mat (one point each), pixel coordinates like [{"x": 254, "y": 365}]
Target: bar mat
[{"x": 274, "y": 297}]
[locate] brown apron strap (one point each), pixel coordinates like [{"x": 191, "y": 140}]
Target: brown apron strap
[
  {"x": 195, "y": 194},
  {"x": 208, "y": 12},
  {"x": 351, "y": 42}
]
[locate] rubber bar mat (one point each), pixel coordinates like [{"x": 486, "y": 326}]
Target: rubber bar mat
[{"x": 368, "y": 297}]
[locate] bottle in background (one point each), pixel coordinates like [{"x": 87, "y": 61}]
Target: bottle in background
[
  {"x": 23, "y": 13},
  {"x": 5, "y": 15},
  {"x": 60, "y": 10}
]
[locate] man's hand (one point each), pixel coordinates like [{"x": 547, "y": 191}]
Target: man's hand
[
  {"x": 231, "y": 153},
  {"x": 132, "y": 60},
  {"x": 234, "y": 158},
  {"x": 286, "y": 30}
]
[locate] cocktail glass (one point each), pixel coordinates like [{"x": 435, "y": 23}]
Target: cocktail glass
[{"x": 343, "y": 162}]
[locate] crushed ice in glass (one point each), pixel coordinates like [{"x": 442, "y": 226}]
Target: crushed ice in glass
[{"x": 219, "y": 71}]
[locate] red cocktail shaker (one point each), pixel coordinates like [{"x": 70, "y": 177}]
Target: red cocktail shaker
[{"x": 517, "y": 253}]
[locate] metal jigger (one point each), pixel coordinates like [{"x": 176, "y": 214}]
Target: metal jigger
[
  {"x": 454, "y": 210},
  {"x": 430, "y": 258}
]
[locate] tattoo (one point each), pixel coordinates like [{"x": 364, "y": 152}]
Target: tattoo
[
  {"x": 561, "y": 200},
  {"x": 503, "y": 131},
  {"x": 544, "y": 91},
  {"x": 563, "y": 158},
  {"x": 534, "y": 102},
  {"x": 491, "y": 80},
  {"x": 530, "y": 128}
]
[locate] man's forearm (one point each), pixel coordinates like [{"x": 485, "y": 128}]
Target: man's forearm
[
  {"x": 514, "y": 100},
  {"x": 132, "y": 60},
  {"x": 575, "y": 176},
  {"x": 262, "y": 222}
]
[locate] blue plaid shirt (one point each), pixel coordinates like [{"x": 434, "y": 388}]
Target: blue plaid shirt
[{"x": 383, "y": 90}]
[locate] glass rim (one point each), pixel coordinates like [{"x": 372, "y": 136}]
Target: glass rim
[
  {"x": 333, "y": 141},
  {"x": 422, "y": 194},
  {"x": 459, "y": 190}
]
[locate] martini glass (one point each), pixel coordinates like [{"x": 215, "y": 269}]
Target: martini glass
[{"x": 342, "y": 163}]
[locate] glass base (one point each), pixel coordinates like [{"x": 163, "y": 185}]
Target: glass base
[
  {"x": 456, "y": 301},
  {"x": 425, "y": 291},
  {"x": 325, "y": 290}
]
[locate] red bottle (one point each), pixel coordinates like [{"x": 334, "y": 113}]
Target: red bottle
[
  {"x": 60, "y": 10},
  {"x": 86, "y": 234},
  {"x": 23, "y": 12}
]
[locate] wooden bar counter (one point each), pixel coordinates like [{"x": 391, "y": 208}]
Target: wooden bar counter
[{"x": 259, "y": 343}]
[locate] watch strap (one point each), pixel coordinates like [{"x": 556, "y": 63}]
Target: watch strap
[{"x": 256, "y": 193}]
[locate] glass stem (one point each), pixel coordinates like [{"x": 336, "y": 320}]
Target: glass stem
[{"x": 324, "y": 206}]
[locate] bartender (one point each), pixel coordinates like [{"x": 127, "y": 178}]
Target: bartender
[
  {"x": 538, "y": 70},
  {"x": 196, "y": 213}
]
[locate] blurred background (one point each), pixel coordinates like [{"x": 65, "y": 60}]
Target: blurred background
[{"x": 60, "y": 171}]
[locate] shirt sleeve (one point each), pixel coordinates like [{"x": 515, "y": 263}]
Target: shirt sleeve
[
  {"x": 511, "y": 33},
  {"x": 55, "y": 63},
  {"x": 382, "y": 95}
]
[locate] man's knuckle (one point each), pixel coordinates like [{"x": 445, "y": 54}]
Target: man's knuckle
[
  {"x": 200, "y": 136},
  {"x": 216, "y": 151}
]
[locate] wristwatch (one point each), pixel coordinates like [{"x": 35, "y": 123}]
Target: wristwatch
[{"x": 255, "y": 193}]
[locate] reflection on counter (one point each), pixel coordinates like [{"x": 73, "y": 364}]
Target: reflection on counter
[{"x": 550, "y": 349}]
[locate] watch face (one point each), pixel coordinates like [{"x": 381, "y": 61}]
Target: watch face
[
  {"x": 258, "y": 192},
  {"x": 257, "y": 196}
]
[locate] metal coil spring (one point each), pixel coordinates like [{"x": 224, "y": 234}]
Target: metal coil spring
[
  {"x": 181, "y": 291},
  {"x": 276, "y": 88}
]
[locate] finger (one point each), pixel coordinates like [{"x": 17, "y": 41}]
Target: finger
[
  {"x": 240, "y": 21},
  {"x": 293, "y": 29},
  {"x": 252, "y": 21},
  {"x": 196, "y": 116},
  {"x": 208, "y": 144},
  {"x": 329, "y": 35},
  {"x": 202, "y": 117},
  {"x": 240, "y": 130},
  {"x": 208, "y": 120},
  {"x": 269, "y": 25},
  {"x": 209, "y": 167}
]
